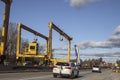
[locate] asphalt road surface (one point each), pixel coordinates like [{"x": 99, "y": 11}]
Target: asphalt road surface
[{"x": 84, "y": 75}]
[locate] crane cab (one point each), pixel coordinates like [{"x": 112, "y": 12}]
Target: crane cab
[{"x": 32, "y": 48}]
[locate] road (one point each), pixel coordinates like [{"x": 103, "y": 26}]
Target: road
[{"x": 84, "y": 75}]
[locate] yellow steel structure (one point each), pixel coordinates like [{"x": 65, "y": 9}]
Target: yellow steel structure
[
  {"x": 53, "y": 26},
  {"x": 5, "y": 27},
  {"x": 31, "y": 52}
]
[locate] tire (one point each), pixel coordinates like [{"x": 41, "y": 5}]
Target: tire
[
  {"x": 72, "y": 75},
  {"x": 100, "y": 72},
  {"x": 54, "y": 75},
  {"x": 77, "y": 74}
]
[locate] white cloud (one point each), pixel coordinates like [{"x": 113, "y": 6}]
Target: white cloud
[
  {"x": 103, "y": 54},
  {"x": 112, "y": 42},
  {"x": 98, "y": 54},
  {"x": 117, "y": 31},
  {"x": 60, "y": 48},
  {"x": 94, "y": 44},
  {"x": 79, "y": 3},
  {"x": 114, "y": 38}
]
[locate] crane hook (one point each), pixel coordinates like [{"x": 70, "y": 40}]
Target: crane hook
[
  {"x": 35, "y": 38},
  {"x": 61, "y": 38}
]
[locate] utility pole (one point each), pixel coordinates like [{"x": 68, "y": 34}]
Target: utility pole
[{"x": 77, "y": 54}]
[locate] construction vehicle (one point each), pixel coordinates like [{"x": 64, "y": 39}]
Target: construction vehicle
[
  {"x": 55, "y": 60},
  {"x": 116, "y": 68},
  {"x": 5, "y": 30},
  {"x": 32, "y": 50}
]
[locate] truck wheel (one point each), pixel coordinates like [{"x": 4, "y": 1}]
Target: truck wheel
[
  {"x": 54, "y": 75},
  {"x": 77, "y": 74},
  {"x": 72, "y": 75}
]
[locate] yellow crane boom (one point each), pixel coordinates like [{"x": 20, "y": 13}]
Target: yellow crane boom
[{"x": 5, "y": 28}]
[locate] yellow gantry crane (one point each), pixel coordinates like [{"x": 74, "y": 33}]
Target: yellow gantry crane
[
  {"x": 5, "y": 29},
  {"x": 56, "y": 28},
  {"x": 32, "y": 50}
]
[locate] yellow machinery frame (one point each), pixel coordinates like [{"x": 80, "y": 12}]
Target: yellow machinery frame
[
  {"x": 53, "y": 26},
  {"x": 5, "y": 26},
  {"x": 23, "y": 55},
  {"x": 48, "y": 55}
]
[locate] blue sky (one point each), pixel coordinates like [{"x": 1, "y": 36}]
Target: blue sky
[{"x": 91, "y": 22}]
